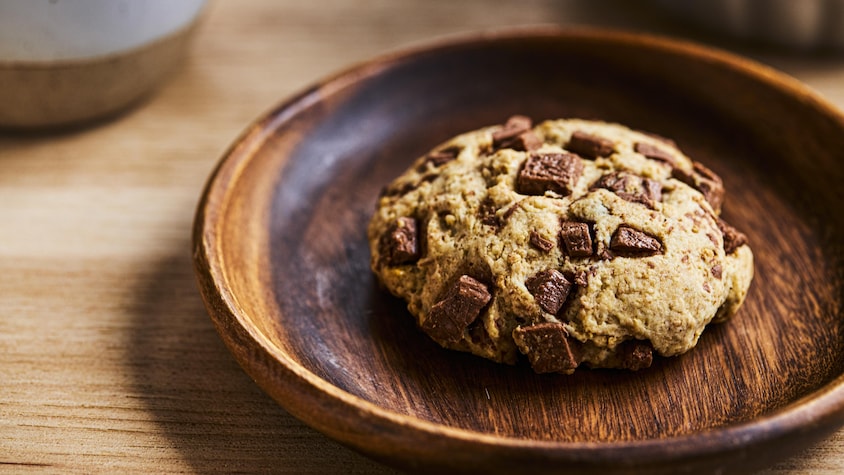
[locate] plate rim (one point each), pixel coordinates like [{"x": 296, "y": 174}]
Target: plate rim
[{"x": 821, "y": 409}]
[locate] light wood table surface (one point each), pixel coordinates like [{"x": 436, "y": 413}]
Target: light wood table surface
[{"x": 108, "y": 361}]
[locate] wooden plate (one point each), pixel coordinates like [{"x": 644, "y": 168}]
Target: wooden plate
[{"x": 282, "y": 261}]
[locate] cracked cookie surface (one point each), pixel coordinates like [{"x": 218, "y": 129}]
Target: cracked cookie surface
[{"x": 572, "y": 243}]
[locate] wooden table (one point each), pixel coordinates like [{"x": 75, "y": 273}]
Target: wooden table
[{"x": 108, "y": 361}]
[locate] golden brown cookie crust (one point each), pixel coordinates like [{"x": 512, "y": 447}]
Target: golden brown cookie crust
[{"x": 601, "y": 235}]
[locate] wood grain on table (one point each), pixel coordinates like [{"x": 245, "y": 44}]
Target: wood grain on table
[{"x": 108, "y": 360}]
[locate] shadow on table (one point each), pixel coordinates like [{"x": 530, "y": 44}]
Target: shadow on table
[{"x": 208, "y": 408}]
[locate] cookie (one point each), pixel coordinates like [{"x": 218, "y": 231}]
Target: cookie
[{"x": 568, "y": 244}]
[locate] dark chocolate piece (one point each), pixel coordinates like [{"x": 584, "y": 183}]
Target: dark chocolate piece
[
  {"x": 633, "y": 241},
  {"x": 631, "y": 188},
  {"x": 613, "y": 181},
  {"x": 539, "y": 242},
  {"x": 576, "y": 238},
  {"x": 557, "y": 172},
  {"x": 440, "y": 157},
  {"x": 717, "y": 271},
  {"x": 458, "y": 307},
  {"x": 400, "y": 244},
  {"x": 509, "y": 134},
  {"x": 704, "y": 180},
  {"x": 636, "y": 354},
  {"x": 653, "y": 189},
  {"x": 487, "y": 212},
  {"x": 550, "y": 288},
  {"x": 525, "y": 142},
  {"x": 733, "y": 238},
  {"x": 590, "y": 146},
  {"x": 654, "y": 152},
  {"x": 548, "y": 347}
]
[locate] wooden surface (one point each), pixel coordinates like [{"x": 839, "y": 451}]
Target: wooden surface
[
  {"x": 108, "y": 360},
  {"x": 284, "y": 264}
]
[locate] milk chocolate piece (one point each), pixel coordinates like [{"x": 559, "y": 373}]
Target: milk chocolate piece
[
  {"x": 487, "y": 212},
  {"x": 733, "y": 238},
  {"x": 456, "y": 309},
  {"x": 633, "y": 188},
  {"x": 550, "y": 289},
  {"x": 653, "y": 189},
  {"x": 441, "y": 157},
  {"x": 704, "y": 180},
  {"x": 636, "y": 354},
  {"x": 633, "y": 241},
  {"x": 576, "y": 238},
  {"x": 524, "y": 142},
  {"x": 400, "y": 245},
  {"x": 539, "y": 242},
  {"x": 557, "y": 172},
  {"x": 548, "y": 347},
  {"x": 589, "y": 146},
  {"x": 516, "y": 134},
  {"x": 654, "y": 152}
]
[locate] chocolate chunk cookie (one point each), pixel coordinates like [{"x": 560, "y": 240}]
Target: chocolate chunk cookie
[{"x": 566, "y": 244}]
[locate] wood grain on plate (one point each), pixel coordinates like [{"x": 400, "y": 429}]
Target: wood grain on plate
[{"x": 283, "y": 262}]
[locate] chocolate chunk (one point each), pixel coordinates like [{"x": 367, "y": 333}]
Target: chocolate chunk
[
  {"x": 605, "y": 254},
  {"x": 657, "y": 153},
  {"x": 576, "y": 238},
  {"x": 548, "y": 347},
  {"x": 539, "y": 242},
  {"x": 516, "y": 134},
  {"x": 717, "y": 271},
  {"x": 441, "y": 157},
  {"x": 487, "y": 212},
  {"x": 557, "y": 172},
  {"x": 400, "y": 244},
  {"x": 590, "y": 146},
  {"x": 525, "y": 142},
  {"x": 653, "y": 189},
  {"x": 512, "y": 209},
  {"x": 733, "y": 238},
  {"x": 633, "y": 188},
  {"x": 458, "y": 307},
  {"x": 614, "y": 181},
  {"x": 710, "y": 184},
  {"x": 550, "y": 289},
  {"x": 704, "y": 180},
  {"x": 632, "y": 241},
  {"x": 636, "y": 354}
]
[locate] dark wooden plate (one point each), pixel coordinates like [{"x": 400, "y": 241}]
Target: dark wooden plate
[{"x": 282, "y": 261}]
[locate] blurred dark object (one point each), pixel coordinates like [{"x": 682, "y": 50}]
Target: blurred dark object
[{"x": 798, "y": 24}]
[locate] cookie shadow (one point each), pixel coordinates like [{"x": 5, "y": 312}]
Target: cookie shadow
[{"x": 210, "y": 411}]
